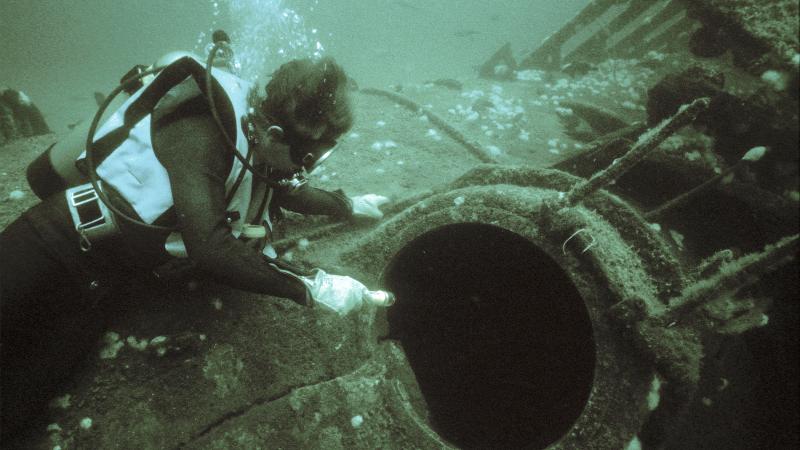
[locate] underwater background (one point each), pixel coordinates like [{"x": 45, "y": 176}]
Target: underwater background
[
  {"x": 467, "y": 364},
  {"x": 60, "y": 53}
]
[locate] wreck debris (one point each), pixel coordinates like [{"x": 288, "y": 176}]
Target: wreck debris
[
  {"x": 672, "y": 38},
  {"x": 602, "y": 151},
  {"x": 736, "y": 123},
  {"x": 594, "y": 48},
  {"x": 548, "y": 55},
  {"x": 732, "y": 125},
  {"x": 708, "y": 42},
  {"x": 761, "y": 35},
  {"x": 676, "y": 89},
  {"x": 609, "y": 41},
  {"x": 598, "y": 122},
  {"x": 712, "y": 264},
  {"x": 440, "y": 123},
  {"x": 636, "y": 43},
  {"x": 755, "y": 154},
  {"x": 578, "y": 68},
  {"x": 732, "y": 277},
  {"x": 500, "y": 66},
  {"x": 643, "y": 146}
]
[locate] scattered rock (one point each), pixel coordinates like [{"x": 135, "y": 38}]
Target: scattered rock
[
  {"x": 357, "y": 421},
  {"x": 16, "y": 195},
  {"x": 19, "y": 117},
  {"x": 86, "y": 423}
]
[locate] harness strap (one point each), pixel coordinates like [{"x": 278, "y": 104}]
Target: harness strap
[{"x": 168, "y": 78}]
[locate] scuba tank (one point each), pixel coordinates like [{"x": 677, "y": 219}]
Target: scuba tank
[
  {"x": 69, "y": 165},
  {"x": 54, "y": 170}
]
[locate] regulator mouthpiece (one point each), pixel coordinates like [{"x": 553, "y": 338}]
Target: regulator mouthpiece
[
  {"x": 295, "y": 182},
  {"x": 379, "y": 298}
]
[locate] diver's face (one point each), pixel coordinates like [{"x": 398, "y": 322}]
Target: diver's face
[
  {"x": 274, "y": 151},
  {"x": 304, "y": 141}
]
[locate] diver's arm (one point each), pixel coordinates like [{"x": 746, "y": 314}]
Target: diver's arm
[
  {"x": 189, "y": 145},
  {"x": 310, "y": 200}
]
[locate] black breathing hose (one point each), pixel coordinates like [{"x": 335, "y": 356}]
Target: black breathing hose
[
  {"x": 222, "y": 43},
  {"x": 90, "y": 166},
  {"x": 219, "y": 44}
]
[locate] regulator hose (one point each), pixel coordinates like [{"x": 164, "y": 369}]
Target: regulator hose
[
  {"x": 221, "y": 43},
  {"x": 218, "y": 45}
]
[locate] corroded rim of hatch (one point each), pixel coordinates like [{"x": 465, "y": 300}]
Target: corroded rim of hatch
[{"x": 603, "y": 275}]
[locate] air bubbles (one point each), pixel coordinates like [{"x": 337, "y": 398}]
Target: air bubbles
[{"x": 265, "y": 34}]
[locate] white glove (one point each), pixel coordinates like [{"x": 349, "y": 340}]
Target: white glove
[
  {"x": 339, "y": 293},
  {"x": 343, "y": 294},
  {"x": 368, "y": 205}
]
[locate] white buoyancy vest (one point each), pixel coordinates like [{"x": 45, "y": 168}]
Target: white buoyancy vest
[{"x": 136, "y": 173}]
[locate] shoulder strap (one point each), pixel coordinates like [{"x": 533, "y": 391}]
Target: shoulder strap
[{"x": 168, "y": 78}]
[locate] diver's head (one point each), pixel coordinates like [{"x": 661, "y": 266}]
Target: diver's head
[{"x": 305, "y": 110}]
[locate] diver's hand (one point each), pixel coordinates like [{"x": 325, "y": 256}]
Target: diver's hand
[
  {"x": 343, "y": 294},
  {"x": 340, "y": 293},
  {"x": 368, "y": 205}
]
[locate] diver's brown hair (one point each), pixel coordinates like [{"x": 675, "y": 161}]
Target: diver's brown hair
[{"x": 309, "y": 91}]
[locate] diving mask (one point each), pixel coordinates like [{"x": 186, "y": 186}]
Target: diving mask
[{"x": 304, "y": 151}]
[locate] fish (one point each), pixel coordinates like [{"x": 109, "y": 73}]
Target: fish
[
  {"x": 405, "y": 4},
  {"x": 466, "y": 33},
  {"x": 448, "y": 83}
]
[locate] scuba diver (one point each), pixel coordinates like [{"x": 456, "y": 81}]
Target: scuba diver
[{"x": 194, "y": 166}]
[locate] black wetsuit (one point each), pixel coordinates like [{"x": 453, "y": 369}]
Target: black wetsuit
[
  {"x": 51, "y": 291},
  {"x": 197, "y": 169}
]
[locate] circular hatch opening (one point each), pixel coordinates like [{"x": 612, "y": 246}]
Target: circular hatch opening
[{"x": 498, "y": 336}]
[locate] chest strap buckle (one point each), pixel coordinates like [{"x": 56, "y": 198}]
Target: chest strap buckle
[{"x": 92, "y": 219}]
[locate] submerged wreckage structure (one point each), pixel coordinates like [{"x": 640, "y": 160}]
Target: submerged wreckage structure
[
  {"x": 759, "y": 36},
  {"x": 537, "y": 308}
]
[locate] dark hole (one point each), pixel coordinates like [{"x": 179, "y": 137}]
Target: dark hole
[{"x": 498, "y": 336}]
